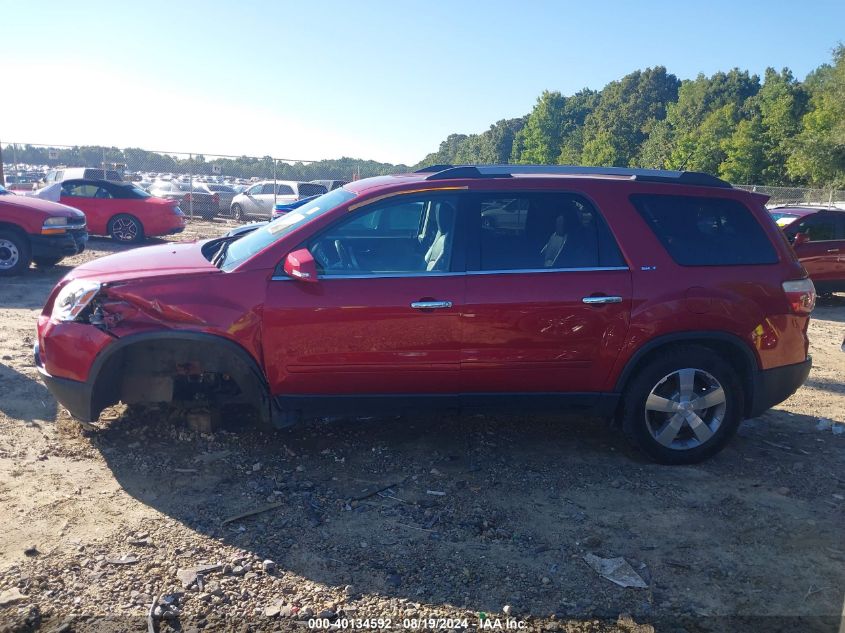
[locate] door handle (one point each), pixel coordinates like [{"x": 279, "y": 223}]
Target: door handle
[
  {"x": 431, "y": 305},
  {"x": 833, "y": 250},
  {"x": 602, "y": 299}
]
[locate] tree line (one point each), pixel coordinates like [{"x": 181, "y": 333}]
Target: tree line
[
  {"x": 139, "y": 160},
  {"x": 775, "y": 130}
]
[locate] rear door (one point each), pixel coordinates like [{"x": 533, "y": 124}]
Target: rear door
[{"x": 548, "y": 295}]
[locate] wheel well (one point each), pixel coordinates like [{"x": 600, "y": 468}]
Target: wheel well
[
  {"x": 741, "y": 361},
  {"x": 6, "y": 226},
  {"x": 134, "y": 217},
  {"x": 199, "y": 369}
]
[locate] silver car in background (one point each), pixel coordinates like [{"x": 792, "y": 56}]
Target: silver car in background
[
  {"x": 259, "y": 199},
  {"x": 225, "y": 195}
]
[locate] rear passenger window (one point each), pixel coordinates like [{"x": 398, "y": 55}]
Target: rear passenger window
[
  {"x": 699, "y": 231},
  {"x": 537, "y": 231}
]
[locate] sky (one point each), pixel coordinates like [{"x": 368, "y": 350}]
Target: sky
[{"x": 373, "y": 79}]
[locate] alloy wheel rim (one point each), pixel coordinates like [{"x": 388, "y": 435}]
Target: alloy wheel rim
[
  {"x": 685, "y": 409},
  {"x": 125, "y": 229},
  {"x": 9, "y": 255}
]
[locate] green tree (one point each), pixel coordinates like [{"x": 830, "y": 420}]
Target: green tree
[
  {"x": 745, "y": 153},
  {"x": 818, "y": 154},
  {"x": 625, "y": 113}
]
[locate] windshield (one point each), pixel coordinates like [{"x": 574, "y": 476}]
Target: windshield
[{"x": 247, "y": 246}]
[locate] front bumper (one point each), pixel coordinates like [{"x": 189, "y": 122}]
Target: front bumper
[
  {"x": 73, "y": 395},
  {"x": 773, "y": 386},
  {"x": 64, "y": 245}
]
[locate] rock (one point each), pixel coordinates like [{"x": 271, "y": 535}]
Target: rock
[
  {"x": 268, "y": 566},
  {"x": 783, "y": 490},
  {"x": 394, "y": 580},
  {"x": 256, "y": 467},
  {"x": 11, "y": 596},
  {"x": 327, "y": 614},
  {"x": 545, "y": 580},
  {"x": 300, "y": 469},
  {"x": 591, "y": 541},
  {"x": 32, "y": 550},
  {"x": 507, "y": 609},
  {"x": 272, "y": 611}
]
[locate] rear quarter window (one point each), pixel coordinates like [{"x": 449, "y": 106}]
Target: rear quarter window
[{"x": 699, "y": 231}]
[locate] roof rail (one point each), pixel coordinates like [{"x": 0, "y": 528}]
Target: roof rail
[{"x": 443, "y": 172}]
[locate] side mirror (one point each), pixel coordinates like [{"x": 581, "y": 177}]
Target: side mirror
[
  {"x": 800, "y": 238},
  {"x": 300, "y": 265}
]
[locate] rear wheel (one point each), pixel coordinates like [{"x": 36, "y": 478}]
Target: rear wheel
[
  {"x": 126, "y": 228},
  {"x": 15, "y": 252},
  {"x": 683, "y": 406},
  {"x": 238, "y": 213}
]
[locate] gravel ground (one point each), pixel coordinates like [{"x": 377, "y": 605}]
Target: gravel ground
[{"x": 482, "y": 520}]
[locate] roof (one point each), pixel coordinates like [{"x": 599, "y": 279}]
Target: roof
[{"x": 443, "y": 172}]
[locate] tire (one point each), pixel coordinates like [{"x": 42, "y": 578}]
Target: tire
[
  {"x": 659, "y": 412},
  {"x": 238, "y": 213},
  {"x": 15, "y": 252},
  {"x": 126, "y": 229},
  {"x": 46, "y": 262}
]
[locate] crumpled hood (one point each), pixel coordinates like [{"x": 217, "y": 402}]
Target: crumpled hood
[{"x": 182, "y": 258}]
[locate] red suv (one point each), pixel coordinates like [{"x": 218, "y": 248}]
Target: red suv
[{"x": 669, "y": 300}]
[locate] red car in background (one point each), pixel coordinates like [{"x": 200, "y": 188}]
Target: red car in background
[
  {"x": 819, "y": 241},
  {"x": 122, "y": 210},
  {"x": 37, "y": 230}
]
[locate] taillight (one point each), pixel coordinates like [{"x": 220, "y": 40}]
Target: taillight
[
  {"x": 801, "y": 295},
  {"x": 216, "y": 198}
]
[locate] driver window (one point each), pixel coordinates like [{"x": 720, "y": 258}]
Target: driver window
[
  {"x": 393, "y": 237},
  {"x": 818, "y": 228}
]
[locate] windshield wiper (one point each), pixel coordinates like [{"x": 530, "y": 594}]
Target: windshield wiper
[{"x": 220, "y": 256}]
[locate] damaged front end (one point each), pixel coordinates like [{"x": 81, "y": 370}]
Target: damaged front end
[{"x": 106, "y": 343}]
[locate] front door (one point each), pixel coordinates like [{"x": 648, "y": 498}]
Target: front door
[
  {"x": 548, "y": 295},
  {"x": 384, "y": 315},
  {"x": 93, "y": 200},
  {"x": 824, "y": 254}
]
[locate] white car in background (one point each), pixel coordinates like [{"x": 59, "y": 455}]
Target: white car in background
[{"x": 259, "y": 199}]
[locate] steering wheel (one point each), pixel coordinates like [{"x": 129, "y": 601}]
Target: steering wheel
[{"x": 347, "y": 257}]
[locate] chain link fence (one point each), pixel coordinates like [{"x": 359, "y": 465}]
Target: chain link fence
[
  {"x": 783, "y": 196},
  {"x": 215, "y": 180},
  {"x": 207, "y": 183}
]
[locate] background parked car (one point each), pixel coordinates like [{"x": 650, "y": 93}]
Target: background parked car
[
  {"x": 787, "y": 214},
  {"x": 330, "y": 185},
  {"x": 37, "y": 230},
  {"x": 122, "y": 210},
  {"x": 205, "y": 203},
  {"x": 225, "y": 195},
  {"x": 819, "y": 241},
  {"x": 66, "y": 173},
  {"x": 258, "y": 200}
]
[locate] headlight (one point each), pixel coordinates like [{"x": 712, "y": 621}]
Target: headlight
[
  {"x": 73, "y": 298},
  {"x": 54, "y": 225}
]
